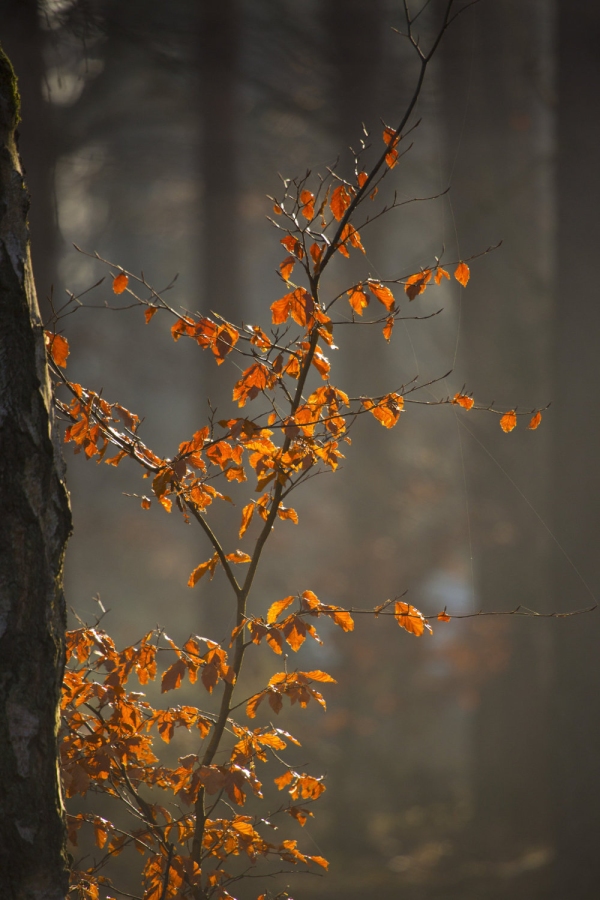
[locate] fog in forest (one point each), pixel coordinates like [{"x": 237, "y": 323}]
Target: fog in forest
[{"x": 459, "y": 765}]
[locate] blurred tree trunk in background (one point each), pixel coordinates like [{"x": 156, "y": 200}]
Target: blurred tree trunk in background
[
  {"x": 498, "y": 82},
  {"x": 575, "y": 733},
  {"x": 34, "y": 525},
  {"x": 23, "y": 40},
  {"x": 218, "y": 55}
]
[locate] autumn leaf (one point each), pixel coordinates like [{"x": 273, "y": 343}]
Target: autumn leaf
[
  {"x": 120, "y": 282},
  {"x": 409, "y": 618},
  {"x": 238, "y": 557},
  {"x": 150, "y": 312},
  {"x": 463, "y": 400},
  {"x": 340, "y": 200},
  {"x": 286, "y": 267},
  {"x": 443, "y": 617},
  {"x": 416, "y": 284},
  {"x": 362, "y": 179},
  {"x": 285, "y": 512},
  {"x": 535, "y": 421},
  {"x": 146, "y": 503},
  {"x": 307, "y": 200},
  {"x": 392, "y": 140},
  {"x": 277, "y": 608},
  {"x": 509, "y": 421},
  {"x": 462, "y": 273},
  {"x": 383, "y": 294},
  {"x": 58, "y": 347},
  {"x": 247, "y": 513},
  {"x": 293, "y": 245},
  {"x": 358, "y": 299},
  {"x": 316, "y": 253},
  {"x": 439, "y": 274},
  {"x": 201, "y": 570},
  {"x": 173, "y": 677},
  {"x": 387, "y": 328}
]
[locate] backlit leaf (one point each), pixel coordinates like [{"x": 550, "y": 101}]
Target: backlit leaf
[
  {"x": 201, "y": 570},
  {"x": 150, "y": 312},
  {"x": 409, "y": 618},
  {"x": 535, "y": 421},
  {"x": 416, "y": 284},
  {"x": 358, "y": 299},
  {"x": 443, "y": 617},
  {"x": 277, "y": 608},
  {"x": 508, "y": 421},
  {"x": 341, "y": 199},
  {"x": 120, "y": 282},
  {"x": 383, "y": 294},
  {"x": 307, "y": 199},
  {"x": 286, "y": 267},
  {"x": 463, "y": 400},
  {"x": 387, "y": 328},
  {"x": 172, "y": 678},
  {"x": 462, "y": 273},
  {"x": 58, "y": 347},
  {"x": 238, "y": 557},
  {"x": 247, "y": 513}
]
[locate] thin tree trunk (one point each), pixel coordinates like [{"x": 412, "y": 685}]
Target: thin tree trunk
[
  {"x": 35, "y": 523},
  {"x": 575, "y": 736}
]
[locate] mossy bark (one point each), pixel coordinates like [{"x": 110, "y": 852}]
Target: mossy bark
[{"x": 35, "y": 523}]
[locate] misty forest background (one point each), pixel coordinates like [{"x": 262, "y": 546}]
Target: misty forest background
[{"x": 465, "y": 764}]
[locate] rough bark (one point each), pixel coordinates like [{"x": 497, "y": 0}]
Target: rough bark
[{"x": 34, "y": 525}]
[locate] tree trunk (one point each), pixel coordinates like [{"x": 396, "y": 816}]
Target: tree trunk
[
  {"x": 35, "y": 523},
  {"x": 575, "y": 736}
]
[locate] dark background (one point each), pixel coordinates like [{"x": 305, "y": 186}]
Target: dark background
[{"x": 466, "y": 764}]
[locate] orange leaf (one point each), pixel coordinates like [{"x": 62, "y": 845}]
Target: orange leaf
[
  {"x": 358, "y": 299},
  {"x": 288, "y": 513},
  {"x": 383, "y": 294},
  {"x": 341, "y": 199},
  {"x": 238, "y": 557},
  {"x": 320, "y": 861},
  {"x": 362, "y": 178},
  {"x": 387, "y": 328},
  {"x": 148, "y": 313},
  {"x": 286, "y": 267},
  {"x": 201, "y": 570},
  {"x": 410, "y": 618},
  {"x": 58, "y": 347},
  {"x": 277, "y": 209},
  {"x": 293, "y": 245},
  {"x": 508, "y": 421},
  {"x": 307, "y": 199},
  {"x": 146, "y": 503},
  {"x": 462, "y": 273},
  {"x": 416, "y": 284},
  {"x": 120, "y": 282},
  {"x": 318, "y": 675},
  {"x": 463, "y": 400},
  {"x": 443, "y": 617},
  {"x": 172, "y": 678},
  {"x": 316, "y": 252},
  {"x": 535, "y": 421},
  {"x": 439, "y": 274},
  {"x": 247, "y": 513},
  {"x": 277, "y": 608}
]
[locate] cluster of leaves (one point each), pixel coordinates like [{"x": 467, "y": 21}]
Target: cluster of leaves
[
  {"x": 295, "y": 423},
  {"x": 107, "y": 746}
]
